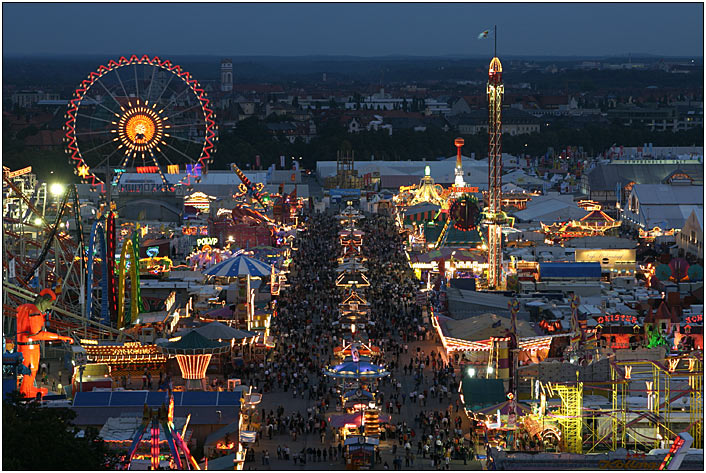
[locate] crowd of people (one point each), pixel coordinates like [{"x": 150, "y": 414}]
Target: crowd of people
[{"x": 425, "y": 424}]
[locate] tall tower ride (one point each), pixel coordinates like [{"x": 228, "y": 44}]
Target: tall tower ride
[
  {"x": 459, "y": 182},
  {"x": 494, "y": 214}
]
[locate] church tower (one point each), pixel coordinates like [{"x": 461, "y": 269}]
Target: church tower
[{"x": 226, "y": 75}]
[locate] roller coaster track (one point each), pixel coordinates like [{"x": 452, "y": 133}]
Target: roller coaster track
[{"x": 72, "y": 324}]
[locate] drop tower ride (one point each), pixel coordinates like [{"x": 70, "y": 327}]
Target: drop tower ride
[{"x": 494, "y": 216}]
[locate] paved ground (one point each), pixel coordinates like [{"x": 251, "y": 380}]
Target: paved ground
[{"x": 274, "y": 399}]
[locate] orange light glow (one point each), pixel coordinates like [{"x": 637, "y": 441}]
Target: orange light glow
[
  {"x": 193, "y": 366},
  {"x": 140, "y": 128}
]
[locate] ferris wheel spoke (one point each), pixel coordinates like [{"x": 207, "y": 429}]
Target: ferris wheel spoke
[
  {"x": 173, "y": 100},
  {"x": 185, "y": 110},
  {"x": 185, "y": 139},
  {"x": 110, "y": 93},
  {"x": 101, "y": 132},
  {"x": 106, "y": 160},
  {"x": 112, "y": 112},
  {"x": 171, "y": 127},
  {"x": 166, "y": 86},
  {"x": 93, "y": 118},
  {"x": 137, "y": 84},
  {"x": 149, "y": 89},
  {"x": 97, "y": 147},
  {"x": 165, "y": 156},
  {"x": 180, "y": 152},
  {"x": 117, "y": 74}
]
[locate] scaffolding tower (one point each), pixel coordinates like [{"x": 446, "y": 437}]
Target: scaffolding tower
[
  {"x": 662, "y": 384},
  {"x": 571, "y": 413}
]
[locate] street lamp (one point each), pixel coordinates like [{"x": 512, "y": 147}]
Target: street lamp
[
  {"x": 56, "y": 189},
  {"x": 471, "y": 372}
]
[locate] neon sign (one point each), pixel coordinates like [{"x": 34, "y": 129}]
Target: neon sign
[
  {"x": 152, "y": 251},
  {"x": 193, "y": 169},
  {"x": 207, "y": 241},
  {"x": 617, "y": 318},
  {"x": 695, "y": 319},
  {"x": 19, "y": 172},
  {"x": 147, "y": 169}
]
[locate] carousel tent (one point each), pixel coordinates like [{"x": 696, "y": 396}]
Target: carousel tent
[
  {"x": 220, "y": 331},
  {"x": 194, "y": 343}
]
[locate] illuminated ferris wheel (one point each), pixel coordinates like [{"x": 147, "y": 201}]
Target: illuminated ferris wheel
[{"x": 142, "y": 115}]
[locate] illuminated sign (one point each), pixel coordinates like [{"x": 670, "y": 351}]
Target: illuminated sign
[
  {"x": 152, "y": 251},
  {"x": 201, "y": 230},
  {"x": 147, "y": 169},
  {"x": 695, "y": 319},
  {"x": 605, "y": 256},
  {"x": 655, "y": 161},
  {"x": 616, "y": 318},
  {"x": 172, "y": 169},
  {"x": 463, "y": 189},
  {"x": 119, "y": 170},
  {"x": 207, "y": 241},
  {"x": 193, "y": 169},
  {"x": 19, "y": 172}
]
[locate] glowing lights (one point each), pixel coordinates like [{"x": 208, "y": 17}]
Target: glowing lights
[
  {"x": 139, "y": 127},
  {"x": 673, "y": 364},
  {"x": 147, "y": 169},
  {"x": 471, "y": 372},
  {"x": 193, "y": 366},
  {"x": 57, "y": 189},
  {"x": 172, "y": 169}
]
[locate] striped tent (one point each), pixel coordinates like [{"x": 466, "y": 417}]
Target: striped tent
[
  {"x": 239, "y": 266},
  {"x": 421, "y": 213}
]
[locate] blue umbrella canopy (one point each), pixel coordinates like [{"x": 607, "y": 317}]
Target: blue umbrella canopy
[
  {"x": 239, "y": 266},
  {"x": 351, "y": 369}
]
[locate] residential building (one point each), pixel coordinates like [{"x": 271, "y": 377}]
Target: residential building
[
  {"x": 27, "y": 98},
  {"x": 515, "y": 122}
]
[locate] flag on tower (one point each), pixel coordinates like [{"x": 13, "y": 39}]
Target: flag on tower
[{"x": 484, "y": 34}]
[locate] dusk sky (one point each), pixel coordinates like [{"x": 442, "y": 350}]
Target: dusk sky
[{"x": 276, "y": 29}]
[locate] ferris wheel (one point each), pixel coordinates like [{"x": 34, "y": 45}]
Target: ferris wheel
[{"x": 142, "y": 115}]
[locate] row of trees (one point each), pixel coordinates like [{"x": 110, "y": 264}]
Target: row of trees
[
  {"x": 42, "y": 438},
  {"x": 251, "y": 138}
]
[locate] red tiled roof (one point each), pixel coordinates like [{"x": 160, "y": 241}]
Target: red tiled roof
[{"x": 45, "y": 139}]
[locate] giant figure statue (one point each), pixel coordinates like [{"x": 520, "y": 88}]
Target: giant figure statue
[{"x": 30, "y": 331}]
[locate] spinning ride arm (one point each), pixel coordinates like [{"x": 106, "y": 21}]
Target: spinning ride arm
[
  {"x": 444, "y": 233},
  {"x": 252, "y": 190}
]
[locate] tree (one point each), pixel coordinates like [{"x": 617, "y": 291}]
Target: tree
[{"x": 43, "y": 438}]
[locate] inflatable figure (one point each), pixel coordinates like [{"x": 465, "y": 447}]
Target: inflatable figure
[{"x": 30, "y": 331}]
